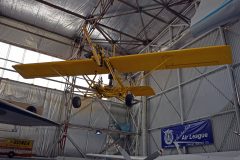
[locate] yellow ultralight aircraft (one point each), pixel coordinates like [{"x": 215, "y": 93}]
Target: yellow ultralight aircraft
[{"x": 100, "y": 64}]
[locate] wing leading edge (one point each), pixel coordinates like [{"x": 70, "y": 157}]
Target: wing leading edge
[{"x": 194, "y": 57}]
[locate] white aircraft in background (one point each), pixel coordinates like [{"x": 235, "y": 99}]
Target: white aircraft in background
[
  {"x": 21, "y": 116},
  {"x": 212, "y": 14}
]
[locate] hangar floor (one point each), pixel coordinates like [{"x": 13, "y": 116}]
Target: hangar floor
[
  {"x": 231, "y": 155},
  {"x": 32, "y": 158}
]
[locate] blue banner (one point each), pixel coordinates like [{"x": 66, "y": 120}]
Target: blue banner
[{"x": 190, "y": 134}]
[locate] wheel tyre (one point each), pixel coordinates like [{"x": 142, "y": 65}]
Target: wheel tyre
[
  {"x": 129, "y": 100},
  {"x": 110, "y": 76},
  {"x": 32, "y": 109},
  {"x": 11, "y": 154},
  {"x": 76, "y": 102}
]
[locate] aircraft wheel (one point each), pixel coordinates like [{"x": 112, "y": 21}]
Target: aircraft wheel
[
  {"x": 32, "y": 109},
  {"x": 76, "y": 102},
  {"x": 129, "y": 100},
  {"x": 110, "y": 77},
  {"x": 11, "y": 154}
]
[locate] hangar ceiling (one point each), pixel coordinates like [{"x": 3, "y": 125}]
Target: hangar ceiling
[{"x": 131, "y": 25}]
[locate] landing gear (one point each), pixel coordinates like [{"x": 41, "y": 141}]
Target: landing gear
[
  {"x": 110, "y": 77},
  {"x": 32, "y": 109},
  {"x": 11, "y": 154},
  {"x": 129, "y": 100},
  {"x": 76, "y": 102}
]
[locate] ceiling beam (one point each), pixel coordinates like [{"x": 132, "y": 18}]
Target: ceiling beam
[
  {"x": 61, "y": 9},
  {"x": 180, "y": 2},
  {"x": 85, "y": 18},
  {"x": 111, "y": 15},
  {"x": 179, "y": 15},
  {"x": 142, "y": 21},
  {"x": 145, "y": 12},
  {"x": 120, "y": 32}
]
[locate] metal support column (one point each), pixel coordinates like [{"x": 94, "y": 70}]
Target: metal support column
[
  {"x": 232, "y": 82},
  {"x": 144, "y": 118},
  {"x": 180, "y": 96},
  {"x": 138, "y": 117},
  {"x": 144, "y": 123},
  {"x": 181, "y": 102}
]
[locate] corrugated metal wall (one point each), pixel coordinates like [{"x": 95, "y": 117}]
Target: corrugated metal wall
[
  {"x": 206, "y": 93},
  {"x": 39, "y": 40}
]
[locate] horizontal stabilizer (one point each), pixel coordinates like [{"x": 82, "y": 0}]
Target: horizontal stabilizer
[
  {"x": 141, "y": 91},
  {"x": 193, "y": 57},
  {"x": 11, "y": 114}
]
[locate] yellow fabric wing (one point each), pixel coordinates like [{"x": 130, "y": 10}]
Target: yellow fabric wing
[
  {"x": 62, "y": 68},
  {"x": 195, "y": 57}
]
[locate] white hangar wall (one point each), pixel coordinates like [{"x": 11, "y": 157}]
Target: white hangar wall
[
  {"x": 91, "y": 115},
  {"x": 186, "y": 95},
  {"x": 43, "y": 99}
]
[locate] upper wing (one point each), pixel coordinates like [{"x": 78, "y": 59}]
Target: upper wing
[
  {"x": 195, "y": 57},
  {"x": 62, "y": 68}
]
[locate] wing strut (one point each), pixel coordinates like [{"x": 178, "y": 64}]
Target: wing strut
[{"x": 94, "y": 51}]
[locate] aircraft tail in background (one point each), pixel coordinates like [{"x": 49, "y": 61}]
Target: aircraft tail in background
[{"x": 213, "y": 13}]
